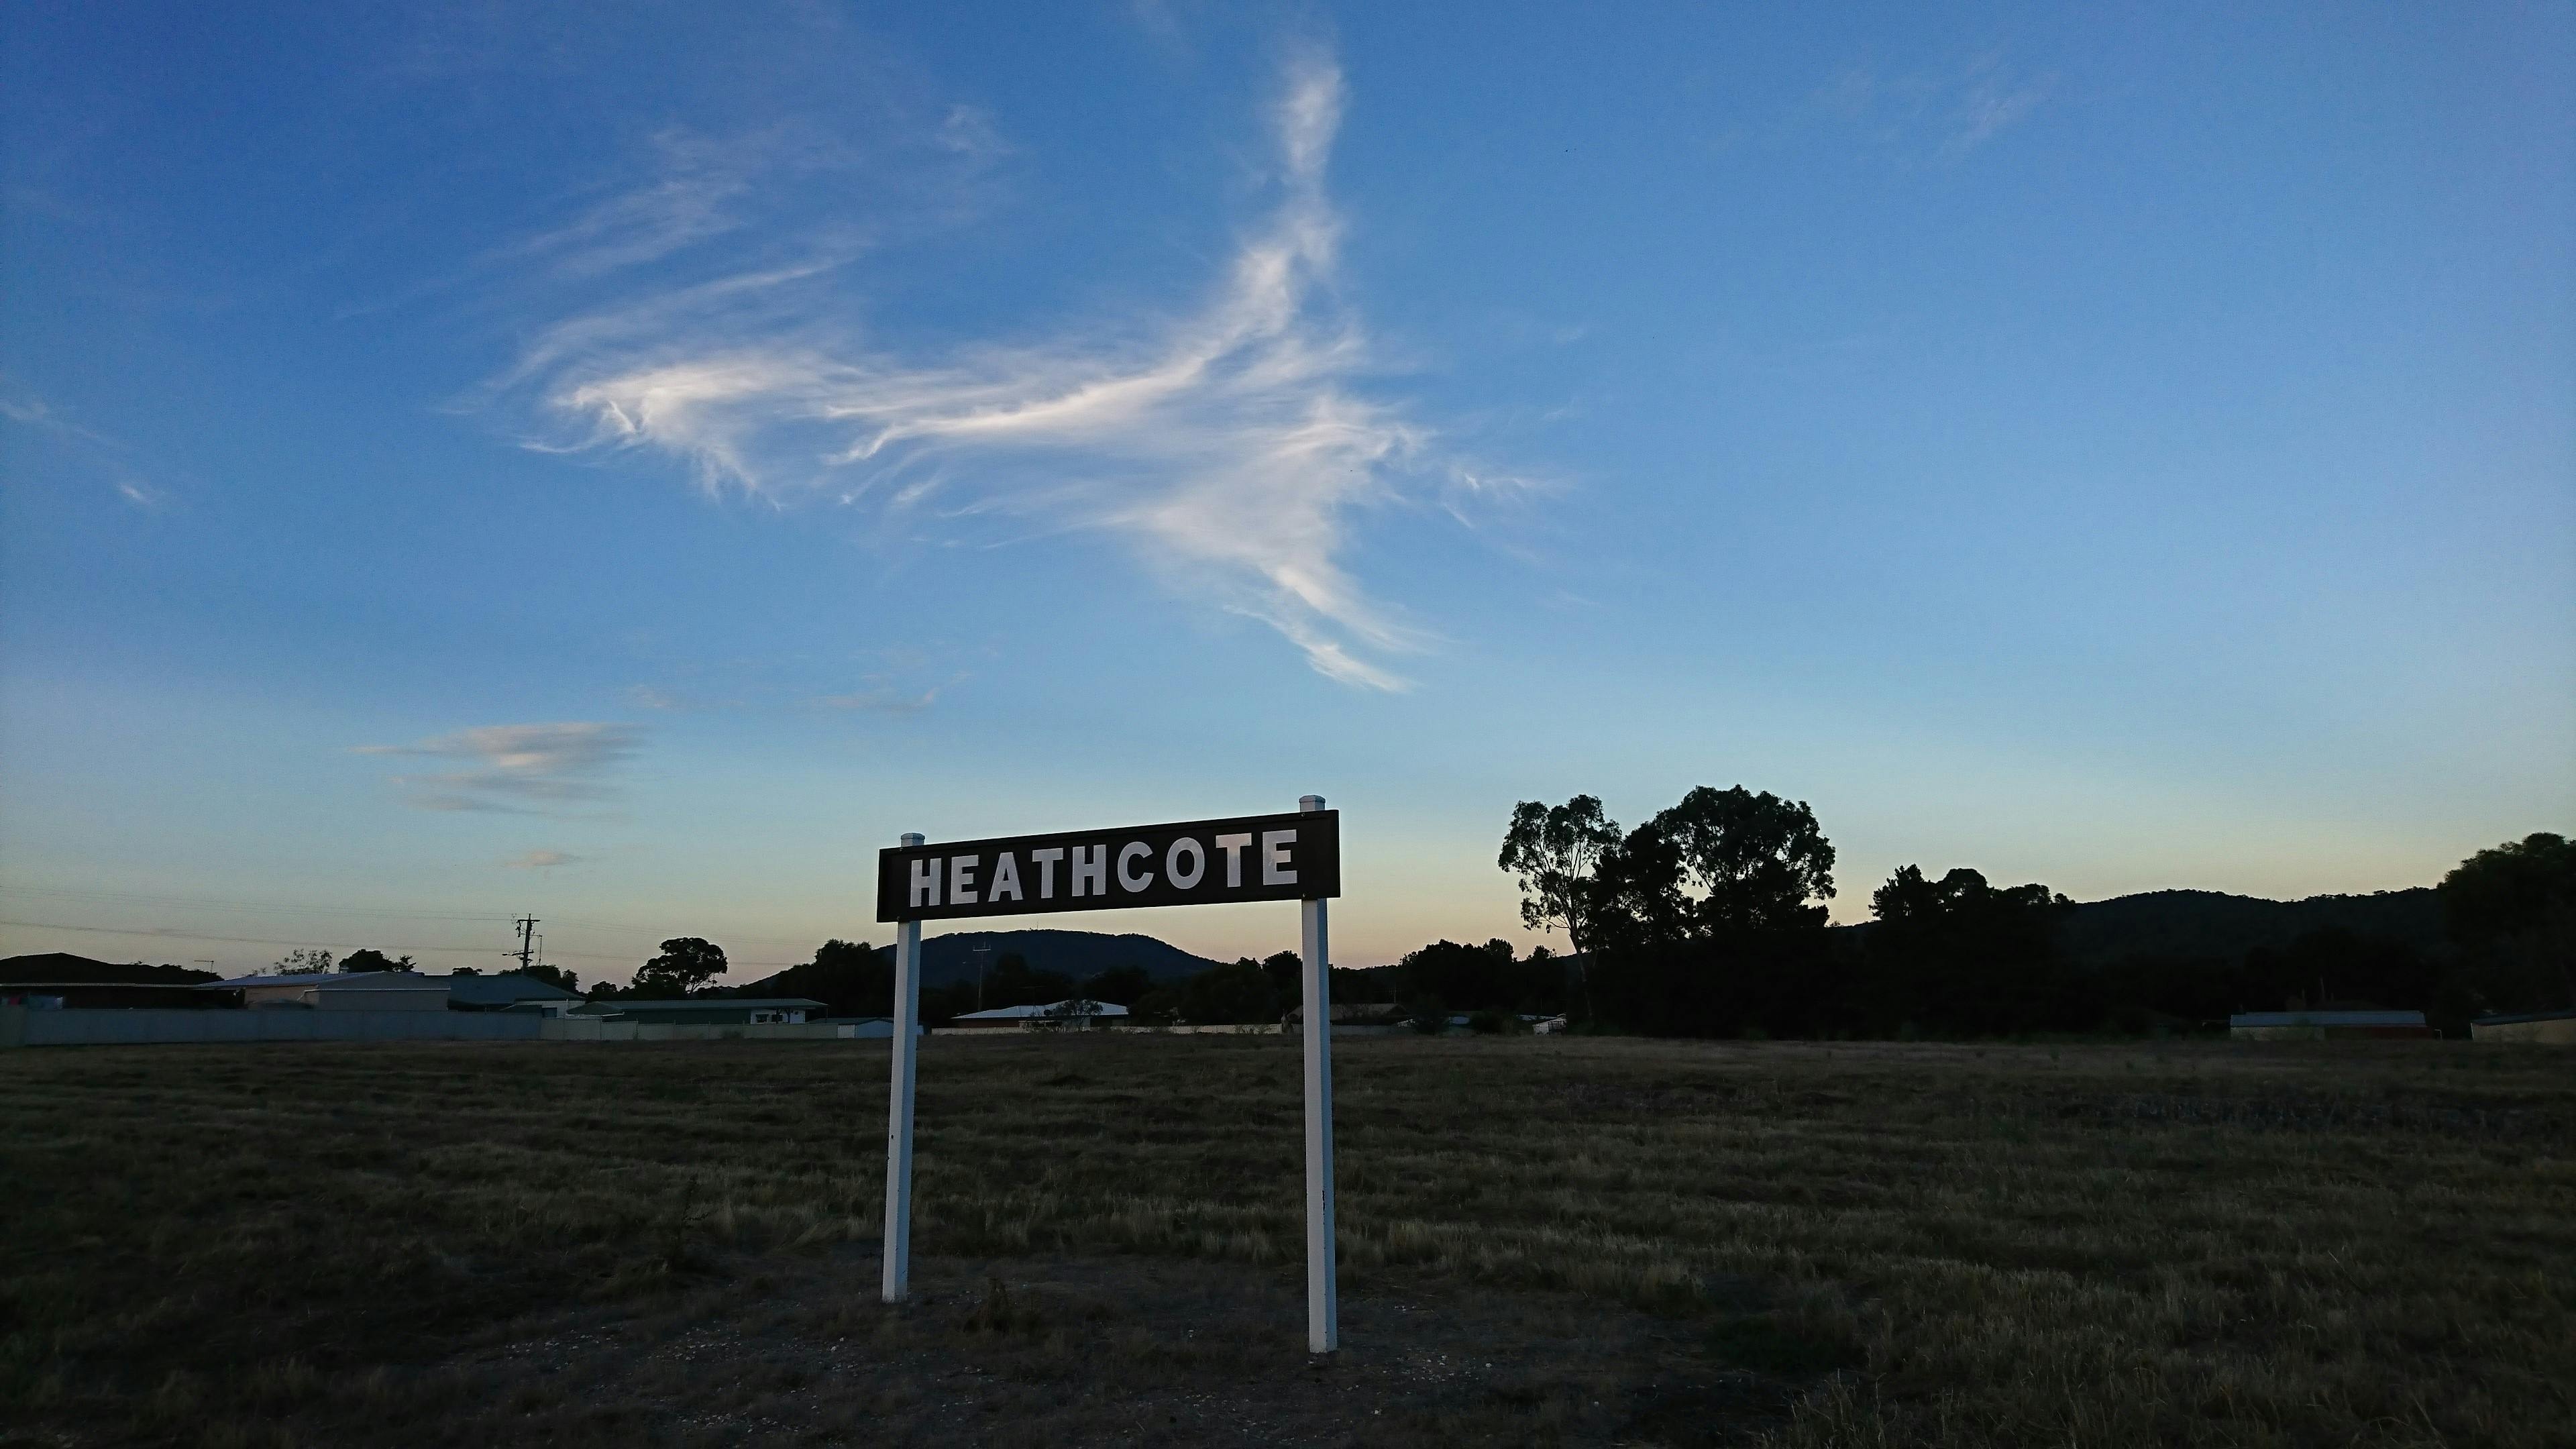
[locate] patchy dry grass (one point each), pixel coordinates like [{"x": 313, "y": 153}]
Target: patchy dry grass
[{"x": 1544, "y": 1240}]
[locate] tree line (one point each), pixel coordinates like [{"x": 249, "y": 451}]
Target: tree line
[
  {"x": 1710, "y": 919},
  {"x": 303, "y": 961}
]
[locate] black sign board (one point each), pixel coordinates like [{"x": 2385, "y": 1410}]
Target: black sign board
[{"x": 1292, "y": 857}]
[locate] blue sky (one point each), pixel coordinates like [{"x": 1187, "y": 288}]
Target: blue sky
[{"x": 630, "y": 464}]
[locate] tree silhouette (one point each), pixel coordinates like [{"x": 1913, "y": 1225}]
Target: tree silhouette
[
  {"x": 1760, "y": 863},
  {"x": 1554, "y": 850},
  {"x": 1961, "y": 957},
  {"x": 2514, "y": 907},
  {"x": 1233, "y": 994},
  {"x": 1633, "y": 901},
  {"x": 686, "y": 964}
]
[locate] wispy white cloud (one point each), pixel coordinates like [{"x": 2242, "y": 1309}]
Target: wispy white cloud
[
  {"x": 969, "y": 131},
  {"x": 1947, "y": 111},
  {"x": 516, "y": 767},
  {"x": 694, "y": 197},
  {"x": 1993, "y": 103},
  {"x": 1229, "y": 445},
  {"x": 542, "y": 860},
  {"x": 96, "y": 451},
  {"x": 884, "y": 700}
]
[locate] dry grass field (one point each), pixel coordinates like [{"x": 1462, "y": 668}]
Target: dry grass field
[{"x": 1544, "y": 1240}]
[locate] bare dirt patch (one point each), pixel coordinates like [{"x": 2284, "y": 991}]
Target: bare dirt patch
[{"x": 1063, "y": 1351}]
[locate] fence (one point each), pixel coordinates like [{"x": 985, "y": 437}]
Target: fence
[
  {"x": 20, "y": 1026},
  {"x": 78, "y": 1026}
]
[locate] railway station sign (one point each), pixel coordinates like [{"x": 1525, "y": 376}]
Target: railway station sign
[{"x": 1289, "y": 857}]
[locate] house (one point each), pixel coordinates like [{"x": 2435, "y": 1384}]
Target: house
[
  {"x": 703, "y": 1011},
  {"x": 340, "y": 991},
  {"x": 2326, "y": 1025},
  {"x": 1076, "y": 1013},
  {"x": 509, "y": 991},
  {"x": 59, "y": 979},
  {"x": 2555, "y": 1028}
]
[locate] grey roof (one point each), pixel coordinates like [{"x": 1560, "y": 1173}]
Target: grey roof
[
  {"x": 504, "y": 989},
  {"x": 1076, "y": 1007},
  {"x": 335, "y": 980}
]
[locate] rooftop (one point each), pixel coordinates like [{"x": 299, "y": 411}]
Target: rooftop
[
  {"x": 370, "y": 980},
  {"x": 1076, "y": 1007},
  {"x": 504, "y": 989}
]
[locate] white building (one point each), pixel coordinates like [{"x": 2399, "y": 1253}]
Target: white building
[
  {"x": 1076, "y": 1013},
  {"x": 2325, "y": 1025}
]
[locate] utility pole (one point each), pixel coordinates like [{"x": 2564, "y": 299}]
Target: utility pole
[
  {"x": 527, "y": 951},
  {"x": 981, "y": 954}
]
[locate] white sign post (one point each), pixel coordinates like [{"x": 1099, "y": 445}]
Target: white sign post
[
  {"x": 1279, "y": 857},
  {"x": 907, "y": 1050},
  {"x": 1323, "y": 1299}
]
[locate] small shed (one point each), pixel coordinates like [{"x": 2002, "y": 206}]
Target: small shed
[
  {"x": 2326, "y": 1025},
  {"x": 2550, "y": 1028}
]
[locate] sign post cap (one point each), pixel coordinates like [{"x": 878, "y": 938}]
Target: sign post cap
[{"x": 1310, "y": 802}]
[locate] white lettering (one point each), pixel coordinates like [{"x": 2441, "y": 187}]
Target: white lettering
[
  {"x": 1172, "y": 864},
  {"x": 1046, "y": 860},
  {"x": 961, "y": 880},
  {"x": 1093, "y": 868},
  {"x": 1006, "y": 877},
  {"x": 1275, "y": 869},
  {"x": 1126, "y": 882},
  {"x": 925, "y": 883},
  {"x": 1233, "y": 846}
]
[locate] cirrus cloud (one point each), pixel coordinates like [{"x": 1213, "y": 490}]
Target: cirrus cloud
[{"x": 1230, "y": 446}]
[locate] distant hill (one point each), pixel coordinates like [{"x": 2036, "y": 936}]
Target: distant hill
[
  {"x": 1078, "y": 954},
  {"x": 66, "y": 967},
  {"x": 2210, "y": 923},
  {"x": 2214, "y": 924},
  {"x": 948, "y": 960}
]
